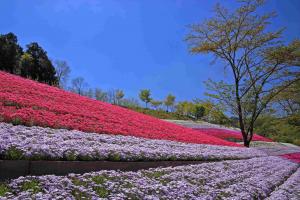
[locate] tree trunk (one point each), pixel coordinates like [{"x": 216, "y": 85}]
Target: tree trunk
[
  {"x": 246, "y": 143},
  {"x": 241, "y": 123}
]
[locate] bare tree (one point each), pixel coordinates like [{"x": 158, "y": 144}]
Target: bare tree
[
  {"x": 62, "y": 72},
  {"x": 119, "y": 96},
  {"x": 261, "y": 65},
  {"x": 101, "y": 95},
  {"x": 89, "y": 93},
  {"x": 78, "y": 85}
]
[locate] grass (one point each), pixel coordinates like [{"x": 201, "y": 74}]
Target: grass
[
  {"x": 13, "y": 153},
  {"x": 32, "y": 185},
  {"x": 3, "y": 189}
]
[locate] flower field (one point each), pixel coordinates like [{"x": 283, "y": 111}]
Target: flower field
[
  {"x": 37, "y": 143},
  {"x": 231, "y": 135},
  {"x": 275, "y": 148},
  {"x": 219, "y": 131},
  {"x": 255, "y": 178},
  {"x": 293, "y": 156},
  {"x": 40, "y": 122},
  {"x": 289, "y": 190},
  {"x": 30, "y": 103}
]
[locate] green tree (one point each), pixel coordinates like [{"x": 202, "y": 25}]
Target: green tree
[
  {"x": 261, "y": 64},
  {"x": 40, "y": 68},
  {"x": 169, "y": 101},
  {"x": 156, "y": 104},
  {"x": 10, "y": 53},
  {"x": 199, "y": 111},
  {"x": 145, "y": 96},
  {"x": 185, "y": 108},
  {"x": 288, "y": 102}
]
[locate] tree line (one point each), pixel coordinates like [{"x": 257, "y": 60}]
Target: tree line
[
  {"x": 31, "y": 62},
  {"x": 34, "y": 63}
]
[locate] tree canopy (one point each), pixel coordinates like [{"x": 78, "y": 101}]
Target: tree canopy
[
  {"x": 145, "y": 96},
  {"x": 262, "y": 65},
  {"x": 10, "y": 53},
  {"x": 33, "y": 63},
  {"x": 169, "y": 101}
]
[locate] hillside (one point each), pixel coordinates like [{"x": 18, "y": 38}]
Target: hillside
[
  {"x": 27, "y": 102},
  {"x": 226, "y": 133}
]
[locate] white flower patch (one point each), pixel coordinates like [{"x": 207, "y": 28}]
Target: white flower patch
[
  {"x": 20, "y": 142},
  {"x": 254, "y": 178}
]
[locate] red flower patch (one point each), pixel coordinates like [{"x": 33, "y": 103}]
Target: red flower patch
[
  {"x": 24, "y": 101},
  {"x": 292, "y": 156},
  {"x": 231, "y": 135}
]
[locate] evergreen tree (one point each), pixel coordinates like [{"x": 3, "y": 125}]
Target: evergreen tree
[
  {"x": 40, "y": 67},
  {"x": 10, "y": 53}
]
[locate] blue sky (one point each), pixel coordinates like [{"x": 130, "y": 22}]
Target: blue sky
[{"x": 129, "y": 44}]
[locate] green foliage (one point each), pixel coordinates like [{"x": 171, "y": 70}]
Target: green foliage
[
  {"x": 13, "y": 153},
  {"x": 155, "y": 174},
  {"x": 114, "y": 156},
  {"x": 99, "y": 179},
  {"x": 102, "y": 192},
  {"x": 261, "y": 65},
  {"x": 70, "y": 156},
  {"x": 32, "y": 185},
  {"x": 36, "y": 65},
  {"x": 199, "y": 111},
  {"x": 170, "y": 100},
  {"x": 186, "y": 108},
  {"x": 10, "y": 53},
  {"x": 33, "y": 63},
  {"x": 161, "y": 114},
  {"x": 278, "y": 129},
  {"x": 145, "y": 96},
  {"x": 16, "y": 121},
  {"x": 156, "y": 104},
  {"x": 79, "y": 195},
  {"x": 79, "y": 182},
  {"x": 3, "y": 189}
]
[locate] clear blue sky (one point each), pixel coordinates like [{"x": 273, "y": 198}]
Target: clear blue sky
[{"x": 128, "y": 44}]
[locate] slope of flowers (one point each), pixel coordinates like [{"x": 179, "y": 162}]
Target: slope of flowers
[
  {"x": 247, "y": 179},
  {"x": 20, "y": 142},
  {"x": 292, "y": 156},
  {"x": 31, "y": 103},
  {"x": 275, "y": 148},
  {"x": 289, "y": 190},
  {"x": 231, "y": 135}
]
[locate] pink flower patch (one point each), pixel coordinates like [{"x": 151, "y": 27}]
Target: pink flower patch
[{"x": 31, "y": 103}]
